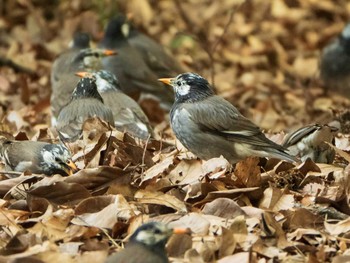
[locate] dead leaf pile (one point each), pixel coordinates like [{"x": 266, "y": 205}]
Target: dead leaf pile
[{"x": 262, "y": 56}]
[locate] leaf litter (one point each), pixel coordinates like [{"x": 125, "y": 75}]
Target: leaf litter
[{"x": 264, "y": 61}]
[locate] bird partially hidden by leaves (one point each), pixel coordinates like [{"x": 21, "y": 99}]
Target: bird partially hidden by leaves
[
  {"x": 210, "y": 126},
  {"x": 147, "y": 244},
  {"x": 134, "y": 74},
  {"x": 335, "y": 64},
  {"x": 79, "y": 57},
  {"x": 311, "y": 142},
  {"x": 128, "y": 115},
  {"x": 86, "y": 102},
  {"x": 36, "y": 157},
  {"x": 156, "y": 57}
]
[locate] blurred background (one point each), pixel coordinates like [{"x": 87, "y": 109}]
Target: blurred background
[{"x": 262, "y": 56}]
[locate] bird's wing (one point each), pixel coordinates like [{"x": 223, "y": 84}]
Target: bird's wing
[
  {"x": 219, "y": 117},
  {"x": 21, "y": 155},
  {"x": 129, "y": 120},
  {"x": 299, "y": 134},
  {"x": 72, "y": 117}
]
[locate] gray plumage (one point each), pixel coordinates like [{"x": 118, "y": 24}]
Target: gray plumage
[
  {"x": 209, "y": 126},
  {"x": 80, "y": 57},
  {"x": 147, "y": 245},
  {"x": 310, "y": 142},
  {"x": 85, "y": 103},
  {"x": 128, "y": 115},
  {"x": 335, "y": 64},
  {"x": 36, "y": 157},
  {"x": 133, "y": 73},
  {"x": 154, "y": 54}
]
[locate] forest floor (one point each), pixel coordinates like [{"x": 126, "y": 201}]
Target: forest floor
[{"x": 262, "y": 56}]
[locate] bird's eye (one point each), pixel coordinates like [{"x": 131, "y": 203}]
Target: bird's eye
[
  {"x": 57, "y": 159},
  {"x": 157, "y": 231},
  {"x": 178, "y": 83}
]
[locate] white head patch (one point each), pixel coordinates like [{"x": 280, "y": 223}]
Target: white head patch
[
  {"x": 102, "y": 84},
  {"x": 346, "y": 31},
  {"x": 56, "y": 152},
  {"x": 181, "y": 87}
]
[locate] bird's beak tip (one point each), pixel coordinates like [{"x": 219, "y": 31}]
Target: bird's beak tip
[
  {"x": 109, "y": 52},
  {"x": 182, "y": 231},
  {"x": 81, "y": 74},
  {"x": 72, "y": 166},
  {"x": 166, "y": 80}
]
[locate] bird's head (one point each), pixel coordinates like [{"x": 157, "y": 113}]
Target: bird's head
[
  {"x": 115, "y": 28},
  {"x": 80, "y": 40},
  {"x": 56, "y": 159},
  {"x": 155, "y": 234},
  {"x": 86, "y": 88},
  {"x": 105, "y": 80},
  {"x": 91, "y": 58},
  {"x": 189, "y": 87}
]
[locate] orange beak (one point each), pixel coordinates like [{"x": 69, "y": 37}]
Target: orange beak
[
  {"x": 72, "y": 166},
  {"x": 166, "y": 80},
  {"x": 182, "y": 231},
  {"x": 109, "y": 52},
  {"x": 81, "y": 74}
]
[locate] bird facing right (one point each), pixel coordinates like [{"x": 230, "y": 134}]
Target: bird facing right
[
  {"x": 36, "y": 157},
  {"x": 209, "y": 126},
  {"x": 147, "y": 244}
]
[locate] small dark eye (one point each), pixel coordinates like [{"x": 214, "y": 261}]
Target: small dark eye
[
  {"x": 57, "y": 159},
  {"x": 178, "y": 83},
  {"x": 157, "y": 231}
]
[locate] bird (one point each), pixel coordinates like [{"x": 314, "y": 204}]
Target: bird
[
  {"x": 135, "y": 77},
  {"x": 154, "y": 54},
  {"x": 36, "y": 157},
  {"x": 311, "y": 142},
  {"x": 209, "y": 126},
  {"x": 335, "y": 64},
  {"x": 79, "y": 57},
  {"x": 147, "y": 244},
  {"x": 86, "y": 102},
  {"x": 128, "y": 115}
]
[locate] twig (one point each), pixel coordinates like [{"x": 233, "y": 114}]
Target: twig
[
  {"x": 143, "y": 156},
  {"x": 18, "y": 68},
  {"x": 10, "y": 173},
  {"x": 202, "y": 37}
]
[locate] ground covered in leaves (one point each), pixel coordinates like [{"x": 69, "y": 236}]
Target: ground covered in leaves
[{"x": 261, "y": 55}]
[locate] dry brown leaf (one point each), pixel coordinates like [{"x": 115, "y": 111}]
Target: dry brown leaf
[{"x": 159, "y": 198}]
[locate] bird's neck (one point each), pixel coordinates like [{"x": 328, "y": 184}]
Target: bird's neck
[
  {"x": 87, "y": 94},
  {"x": 193, "y": 97}
]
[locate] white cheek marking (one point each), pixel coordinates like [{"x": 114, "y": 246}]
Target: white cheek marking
[
  {"x": 102, "y": 85},
  {"x": 183, "y": 90}
]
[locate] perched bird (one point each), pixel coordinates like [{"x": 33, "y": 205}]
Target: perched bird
[
  {"x": 335, "y": 64},
  {"x": 85, "y": 103},
  {"x": 146, "y": 245},
  {"x": 154, "y": 54},
  {"x": 128, "y": 115},
  {"x": 36, "y": 157},
  {"x": 135, "y": 76},
  {"x": 310, "y": 142},
  {"x": 80, "y": 57},
  {"x": 209, "y": 126}
]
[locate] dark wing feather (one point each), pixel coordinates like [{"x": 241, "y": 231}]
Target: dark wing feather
[{"x": 216, "y": 115}]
